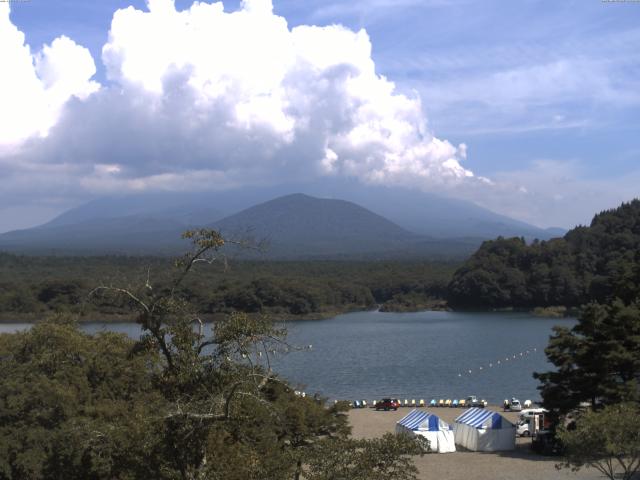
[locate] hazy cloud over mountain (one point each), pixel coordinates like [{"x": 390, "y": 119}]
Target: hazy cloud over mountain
[
  {"x": 211, "y": 97},
  {"x": 204, "y": 98}
]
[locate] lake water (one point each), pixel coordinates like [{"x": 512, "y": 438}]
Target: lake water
[{"x": 368, "y": 355}]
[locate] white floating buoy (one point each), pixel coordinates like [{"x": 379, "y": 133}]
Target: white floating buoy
[{"x": 459, "y": 374}]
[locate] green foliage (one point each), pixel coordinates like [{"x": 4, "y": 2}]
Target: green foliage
[
  {"x": 597, "y": 361},
  {"x": 40, "y": 285},
  {"x": 600, "y": 262},
  {"x": 607, "y": 440},
  {"x": 186, "y": 401},
  {"x": 74, "y": 406},
  {"x": 386, "y": 458}
]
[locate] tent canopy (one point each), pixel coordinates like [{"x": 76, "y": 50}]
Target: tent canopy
[
  {"x": 482, "y": 418},
  {"x": 429, "y": 426},
  {"x": 483, "y": 430},
  {"x": 417, "y": 420}
]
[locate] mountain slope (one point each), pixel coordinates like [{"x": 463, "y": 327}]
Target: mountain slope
[
  {"x": 173, "y": 207},
  {"x": 151, "y": 223},
  {"x": 436, "y": 216},
  {"x": 300, "y": 225},
  {"x": 131, "y": 235}
]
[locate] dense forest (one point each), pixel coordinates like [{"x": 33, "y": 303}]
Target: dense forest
[
  {"x": 32, "y": 286},
  {"x": 595, "y": 263},
  {"x": 176, "y": 404}
]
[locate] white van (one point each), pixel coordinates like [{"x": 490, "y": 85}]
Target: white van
[
  {"x": 531, "y": 421},
  {"x": 530, "y": 412}
]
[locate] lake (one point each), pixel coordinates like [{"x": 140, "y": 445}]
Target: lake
[{"x": 368, "y": 355}]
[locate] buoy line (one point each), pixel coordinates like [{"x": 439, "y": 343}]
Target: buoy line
[{"x": 500, "y": 362}]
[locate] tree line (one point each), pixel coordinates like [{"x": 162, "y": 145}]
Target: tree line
[
  {"x": 599, "y": 262},
  {"x": 43, "y": 285},
  {"x": 594, "y": 389}
]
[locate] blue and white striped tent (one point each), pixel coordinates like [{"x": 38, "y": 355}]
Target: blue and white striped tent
[
  {"x": 429, "y": 426},
  {"x": 484, "y": 430}
]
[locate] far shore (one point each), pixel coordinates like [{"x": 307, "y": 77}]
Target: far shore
[{"x": 96, "y": 317}]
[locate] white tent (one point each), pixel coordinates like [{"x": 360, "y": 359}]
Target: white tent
[
  {"x": 429, "y": 426},
  {"x": 484, "y": 430}
]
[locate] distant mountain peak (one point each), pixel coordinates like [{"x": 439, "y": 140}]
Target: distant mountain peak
[{"x": 317, "y": 220}]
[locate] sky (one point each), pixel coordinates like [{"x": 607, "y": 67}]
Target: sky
[{"x": 529, "y": 108}]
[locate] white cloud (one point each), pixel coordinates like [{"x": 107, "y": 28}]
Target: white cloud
[
  {"x": 554, "y": 193},
  {"x": 236, "y": 93},
  {"x": 34, "y": 88}
]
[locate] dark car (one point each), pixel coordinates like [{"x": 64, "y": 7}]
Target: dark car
[
  {"x": 546, "y": 443},
  {"x": 388, "y": 404}
]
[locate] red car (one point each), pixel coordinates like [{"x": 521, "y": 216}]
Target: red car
[{"x": 388, "y": 404}]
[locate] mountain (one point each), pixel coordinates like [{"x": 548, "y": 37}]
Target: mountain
[
  {"x": 173, "y": 207},
  {"x": 436, "y": 216},
  {"x": 300, "y": 225},
  {"x": 556, "y": 232},
  {"x": 409, "y": 222},
  {"x": 130, "y": 235}
]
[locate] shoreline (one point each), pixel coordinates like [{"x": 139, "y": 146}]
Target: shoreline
[{"x": 32, "y": 318}]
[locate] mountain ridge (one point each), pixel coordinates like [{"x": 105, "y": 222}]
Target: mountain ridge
[{"x": 152, "y": 224}]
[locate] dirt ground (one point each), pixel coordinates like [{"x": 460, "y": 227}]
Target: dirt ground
[{"x": 520, "y": 464}]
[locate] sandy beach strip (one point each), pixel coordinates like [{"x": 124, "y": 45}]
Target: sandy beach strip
[{"x": 520, "y": 464}]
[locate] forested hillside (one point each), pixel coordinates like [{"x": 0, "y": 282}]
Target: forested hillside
[
  {"x": 595, "y": 263},
  {"x": 32, "y": 286}
]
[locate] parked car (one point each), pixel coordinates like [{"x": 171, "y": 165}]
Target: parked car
[
  {"x": 523, "y": 428},
  {"x": 388, "y": 404},
  {"x": 513, "y": 405},
  {"x": 473, "y": 401},
  {"x": 546, "y": 443}
]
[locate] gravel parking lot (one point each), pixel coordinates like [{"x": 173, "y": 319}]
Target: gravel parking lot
[{"x": 520, "y": 464}]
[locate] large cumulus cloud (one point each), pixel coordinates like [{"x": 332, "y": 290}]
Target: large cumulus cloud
[
  {"x": 204, "y": 98},
  {"x": 34, "y": 87}
]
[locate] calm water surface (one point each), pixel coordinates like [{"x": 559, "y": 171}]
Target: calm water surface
[{"x": 367, "y": 355}]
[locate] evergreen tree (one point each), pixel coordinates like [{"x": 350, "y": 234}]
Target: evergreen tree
[
  {"x": 596, "y": 263},
  {"x": 597, "y": 361}
]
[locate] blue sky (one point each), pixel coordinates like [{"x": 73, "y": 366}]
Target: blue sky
[{"x": 544, "y": 94}]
